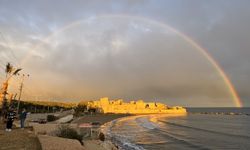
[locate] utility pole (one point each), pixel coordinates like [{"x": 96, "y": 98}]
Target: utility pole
[
  {"x": 15, "y": 96},
  {"x": 20, "y": 91}
]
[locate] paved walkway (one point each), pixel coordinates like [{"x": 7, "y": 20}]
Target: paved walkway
[{"x": 18, "y": 139}]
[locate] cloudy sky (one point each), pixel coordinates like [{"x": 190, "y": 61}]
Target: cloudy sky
[{"x": 84, "y": 50}]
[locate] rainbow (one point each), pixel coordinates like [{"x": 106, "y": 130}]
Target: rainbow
[{"x": 187, "y": 38}]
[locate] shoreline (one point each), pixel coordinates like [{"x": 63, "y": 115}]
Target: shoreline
[
  {"x": 48, "y": 140},
  {"x": 103, "y": 119}
]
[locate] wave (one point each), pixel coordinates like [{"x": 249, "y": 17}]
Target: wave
[
  {"x": 125, "y": 144},
  {"x": 183, "y": 141},
  {"x": 204, "y": 130},
  {"x": 220, "y": 113},
  {"x": 120, "y": 139},
  {"x": 146, "y": 123},
  {"x": 152, "y": 131}
]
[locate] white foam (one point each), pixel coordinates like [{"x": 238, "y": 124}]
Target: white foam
[
  {"x": 146, "y": 123},
  {"x": 132, "y": 146},
  {"x": 123, "y": 138}
]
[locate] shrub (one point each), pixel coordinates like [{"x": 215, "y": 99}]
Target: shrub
[
  {"x": 101, "y": 136},
  {"x": 69, "y": 133},
  {"x": 80, "y": 109},
  {"x": 51, "y": 118}
]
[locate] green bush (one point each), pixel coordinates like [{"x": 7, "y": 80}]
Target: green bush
[{"x": 69, "y": 133}]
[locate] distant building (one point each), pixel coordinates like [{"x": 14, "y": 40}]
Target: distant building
[{"x": 104, "y": 105}]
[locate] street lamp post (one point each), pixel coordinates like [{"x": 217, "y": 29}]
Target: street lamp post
[{"x": 20, "y": 91}]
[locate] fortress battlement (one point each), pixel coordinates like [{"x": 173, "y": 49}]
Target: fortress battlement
[{"x": 104, "y": 105}]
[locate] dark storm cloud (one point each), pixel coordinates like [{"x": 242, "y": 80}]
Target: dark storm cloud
[
  {"x": 117, "y": 62},
  {"x": 116, "y": 59}
]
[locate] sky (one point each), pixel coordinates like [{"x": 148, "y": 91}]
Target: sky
[{"x": 88, "y": 49}]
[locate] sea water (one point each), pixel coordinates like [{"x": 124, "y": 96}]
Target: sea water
[{"x": 201, "y": 128}]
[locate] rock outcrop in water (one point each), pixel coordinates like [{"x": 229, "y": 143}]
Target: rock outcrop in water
[{"x": 104, "y": 105}]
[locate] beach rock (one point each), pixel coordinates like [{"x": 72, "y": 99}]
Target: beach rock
[
  {"x": 44, "y": 128},
  {"x": 49, "y": 129},
  {"x": 65, "y": 119},
  {"x": 108, "y": 145},
  {"x": 57, "y": 143},
  {"x": 94, "y": 145}
]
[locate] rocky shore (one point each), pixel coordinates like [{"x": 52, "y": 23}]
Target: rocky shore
[{"x": 44, "y": 136}]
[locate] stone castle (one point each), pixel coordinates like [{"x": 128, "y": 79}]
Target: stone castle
[{"x": 104, "y": 105}]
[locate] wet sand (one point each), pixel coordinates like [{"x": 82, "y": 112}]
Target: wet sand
[{"x": 101, "y": 118}]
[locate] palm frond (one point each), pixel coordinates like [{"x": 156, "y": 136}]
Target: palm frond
[
  {"x": 16, "y": 71},
  {"x": 8, "y": 68}
]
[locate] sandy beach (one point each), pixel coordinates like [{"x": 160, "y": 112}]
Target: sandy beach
[{"x": 101, "y": 118}]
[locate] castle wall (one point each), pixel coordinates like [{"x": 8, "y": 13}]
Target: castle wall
[{"x": 133, "y": 107}]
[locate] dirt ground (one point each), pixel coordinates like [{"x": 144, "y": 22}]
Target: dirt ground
[{"x": 18, "y": 139}]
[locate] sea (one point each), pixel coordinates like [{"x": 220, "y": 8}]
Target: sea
[{"x": 200, "y": 128}]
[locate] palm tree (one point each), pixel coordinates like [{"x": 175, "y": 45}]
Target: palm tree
[
  {"x": 8, "y": 68},
  {"x": 10, "y": 72}
]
